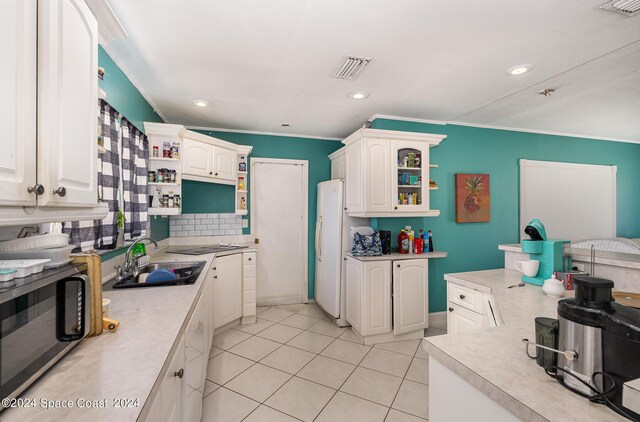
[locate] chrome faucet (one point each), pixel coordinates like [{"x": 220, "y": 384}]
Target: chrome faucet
[{"x": 130, "y": 266}]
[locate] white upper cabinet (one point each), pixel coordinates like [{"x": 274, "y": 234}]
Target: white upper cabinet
[
  {"x": 410, "y": 295},
  {"x": 18, "y": 75},
  {"x": 377, "y": 176},
  {"x": 225, "y": 163},
  {"x": 387, "y": 173},
  {"x": 197, "y": 158},
  {"x": 212, "y": 160},
  {"x": 338, "y": 164},
  {"x": 67, "y": 103}
]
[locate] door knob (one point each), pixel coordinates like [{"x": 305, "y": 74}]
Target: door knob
[
  {"x": 38, "y": 189},
  {"x": 60, "y": 191},
  {"x": 179, "y": 373},
  {"x": 450, "y": 309}
]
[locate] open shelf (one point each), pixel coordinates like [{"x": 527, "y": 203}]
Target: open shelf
[
  {"x": 241, "y": 191},
  {"x": 241, "y": 212},
  {"x": 175, "y": 160},
  {"x": 433, "y": 166},
  {"x": 409, "y": 186},
  {"x": 409, "y": 168},
  {"x": 433, "y": 187},
  {"x": 163, "y": 211},
  {"x": 163, "y": 184}
]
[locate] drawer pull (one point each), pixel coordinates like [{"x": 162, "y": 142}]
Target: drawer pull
[
  {"x": 215, "y": 276},
  {"x": 179, "y": 373},
  {"x": 462, "y": 297},
  {"x": 450, "y": 309},
  {"x": 249, "y": 259}
]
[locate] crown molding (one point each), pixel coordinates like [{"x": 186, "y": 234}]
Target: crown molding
[
  {"x": 406, "y": 119},
  {"x": 254, "y": 132}
]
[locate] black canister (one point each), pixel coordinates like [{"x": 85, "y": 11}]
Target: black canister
[{"x": 385, "y": 239}]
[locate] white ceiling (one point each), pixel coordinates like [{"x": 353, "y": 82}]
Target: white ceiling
[{"x": 264, "y": 62}]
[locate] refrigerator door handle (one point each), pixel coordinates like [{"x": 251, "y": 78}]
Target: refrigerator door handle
[{"x": 318, "y": 243}]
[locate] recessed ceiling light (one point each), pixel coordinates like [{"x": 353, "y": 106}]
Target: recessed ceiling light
[
  {"x": 201, "y": 103},
  {"x": 519, "y": 69},
  {"x": 359, "y": 95}
]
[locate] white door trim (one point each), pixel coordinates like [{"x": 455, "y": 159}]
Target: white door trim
[{"x": 305, "y": 210}]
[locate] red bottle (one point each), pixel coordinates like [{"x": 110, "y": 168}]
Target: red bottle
[
  {"x": 403, "y": 242},
  {"x": 417, "y": 246}
]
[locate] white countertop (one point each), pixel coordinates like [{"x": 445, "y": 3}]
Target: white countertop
[
  {"x": 124, "y": 364},
  {"x": 493, "y": 360},
  {"x": 395, "y": 256}
]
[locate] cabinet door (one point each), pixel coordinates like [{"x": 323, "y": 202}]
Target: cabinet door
[
  {"x": 403, "y": 173},
  {"x": 460, "y": 319},
  {"x": 338, "y": 167},
  {"x": 225, "y": 162},
  {"x": 171, "y": 387},
  {"x": 18, "y": 76},
  {"x": 67, "y": 103},
  {"x": 195, "y": 366},
  {"x": 211, "y": 305},
  {"x": 377, "y": 298},
  {"x": 354, "y": 184},
  {"x": 228, "y": 289},
  {"x": 377, "y": 176},
  {"x": 354, "y": 280},
  {"x": 197, "y": 158},
  {"x": 410, "y": 295}
]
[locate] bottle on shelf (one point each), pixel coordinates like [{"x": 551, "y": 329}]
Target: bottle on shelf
[
  {"x": 241, "y": 183},
  {"x": 243, "y": 203},
  {"x": 171, "y": 202},
  {"x": 242, "y": 165},
  {"x": 430, "y": 241},
  {"x": 411, "y": 236},
  {"x": 403, "y": 242}
]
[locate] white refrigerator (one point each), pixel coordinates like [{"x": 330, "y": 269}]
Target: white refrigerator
[{"x": 333, "y": 240}]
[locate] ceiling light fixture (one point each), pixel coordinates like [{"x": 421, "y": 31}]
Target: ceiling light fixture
[
  {"x": 358, "y": 95},
  {"x": 547, "y": 92},
  {"x": 520, "y": 69},
  {"x": 201, "y": 103}
]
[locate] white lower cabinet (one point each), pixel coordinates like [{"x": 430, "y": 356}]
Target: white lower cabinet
[
  {"x": 249, "y": 272},
  {"x": 227, "y": 286},
  {"x": 167, "y": 405},
  {"x": 410, "y": 295},
  {"x": 387, "y": 298},
  {"x": 470, "y": 309},
  {"x": 196, "y": 358}
]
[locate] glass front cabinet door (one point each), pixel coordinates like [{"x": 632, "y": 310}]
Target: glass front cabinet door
[{"x": 410, "y": 168}]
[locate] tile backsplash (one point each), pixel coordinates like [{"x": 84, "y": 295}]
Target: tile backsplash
[{"x": 184, "y": 225}]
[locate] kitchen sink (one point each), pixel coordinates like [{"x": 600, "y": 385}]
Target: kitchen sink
[{"x": 186, "y": 272}]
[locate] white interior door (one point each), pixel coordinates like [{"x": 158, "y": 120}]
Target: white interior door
[
  {"x": 279, "y": 206},
  {"x": 329, "y": 246}
]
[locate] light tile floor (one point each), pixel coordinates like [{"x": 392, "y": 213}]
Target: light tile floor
[{"x": 295, "y": 364}]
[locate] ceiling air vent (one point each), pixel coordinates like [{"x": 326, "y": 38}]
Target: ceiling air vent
[
  {"x": 623, "y": 7},
  {"x": 352, "y": 67}
]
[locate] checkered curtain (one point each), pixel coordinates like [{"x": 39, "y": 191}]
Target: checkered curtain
[
  {"x": 101, "y": 234},
  {"x": 135, "y": 164}
]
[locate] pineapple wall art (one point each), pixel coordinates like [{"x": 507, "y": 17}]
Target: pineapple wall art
[{"x": 473, "y": 202}]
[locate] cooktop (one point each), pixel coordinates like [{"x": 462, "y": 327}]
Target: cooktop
[{"x": 203, "y": 250}]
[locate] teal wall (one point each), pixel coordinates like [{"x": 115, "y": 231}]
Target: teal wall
[
  {"x": 126, "y": 98},
  {"x": 213, "y": 198},
  {"x": 474, "y": 246}
]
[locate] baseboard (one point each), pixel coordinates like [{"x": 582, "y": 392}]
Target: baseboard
[{"x": 438, "y": 320}]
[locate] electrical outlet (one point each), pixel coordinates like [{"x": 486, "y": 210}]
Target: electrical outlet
[
  {"x": 245, "y": 224},
  {"x": 577, "y": 266}
]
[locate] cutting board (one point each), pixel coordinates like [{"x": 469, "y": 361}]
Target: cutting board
[
  {"x": 94, "y": 270},
  {"x": 627, "y": 299}
]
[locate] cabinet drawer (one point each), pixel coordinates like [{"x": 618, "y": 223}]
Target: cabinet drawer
[
  {"x": 249, "y": 258},
  {"x": 466, "y": 297},
  {"x": 249, "y": 271},
  {"x": 249, "y": 283}
]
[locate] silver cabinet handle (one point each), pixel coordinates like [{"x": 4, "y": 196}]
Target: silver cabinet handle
[
  {"x": 60, "y": 191},
  {"x": 38, "y": 189}
]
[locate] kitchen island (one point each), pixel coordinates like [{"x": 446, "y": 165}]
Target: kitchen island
[{"x": 485, "y": 375}]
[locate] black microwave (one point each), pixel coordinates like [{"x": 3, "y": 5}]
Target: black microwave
[{"x": 41, "y": 318}]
